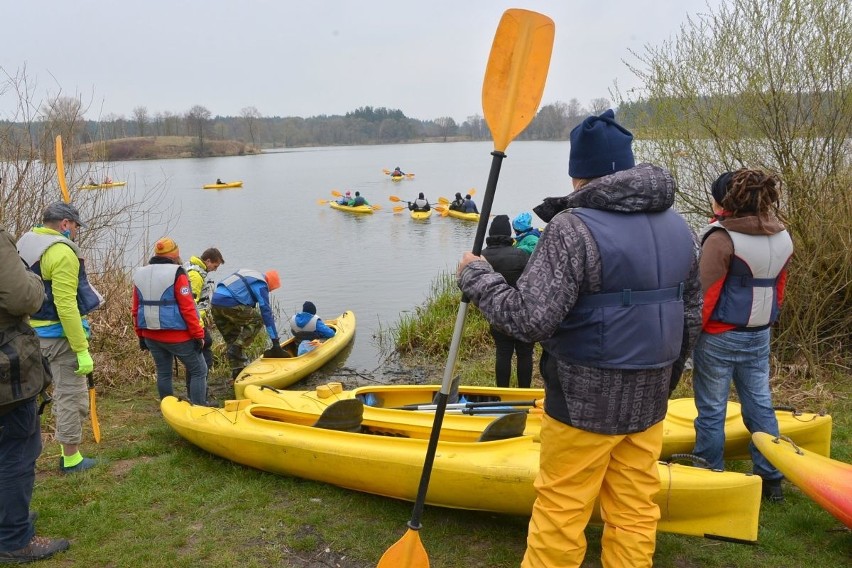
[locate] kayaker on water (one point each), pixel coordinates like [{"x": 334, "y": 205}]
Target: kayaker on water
[
  {"x": 419, "y": 204},
  {"x": 219, "y": 181},
  {"x": 345, "y": 199},
  {"x": 307, "y": 328},
  {"x": 525, "y": 236},
  {"x": 744, "y": 255},
  {"x": 615, "y": 331},
  {"x": 166, "y": 320},
  {"x": 241, "y": 310},
  {"x": 458, "y": 203},
  {"x": 397, "y": 172},
  {"x": 358, "y": 200},
  {"x": 469, "y": 206}
]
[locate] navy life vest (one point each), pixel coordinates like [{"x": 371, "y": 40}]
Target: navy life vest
[
  {"x": 636, "y": 321},
  {"x": 31, "y": 247}
]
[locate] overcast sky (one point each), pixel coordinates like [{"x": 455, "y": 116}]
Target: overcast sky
[{"x": 311, "y": 57}]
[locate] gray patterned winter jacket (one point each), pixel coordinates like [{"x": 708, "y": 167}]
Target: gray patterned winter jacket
[{"x": 565, "y": 265}]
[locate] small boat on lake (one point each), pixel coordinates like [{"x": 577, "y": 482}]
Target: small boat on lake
[
  {"x": 463, "y": 216},
  {"x": 104, "y": 185},
  {"x": 811, "y": 431},
  {"x": 420, "y": 215},
  {"x": 226, "y": 185},
  {"x": 362, "y": 209},
  {"x": 283, "y": 372},
  {"x": 486, "y": 472}
]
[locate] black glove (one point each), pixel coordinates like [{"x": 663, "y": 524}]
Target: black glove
[
  {"x": 199, "y": 344},
  {"x": 142, "y": 345},
  {"x": 276, "y": 352}
]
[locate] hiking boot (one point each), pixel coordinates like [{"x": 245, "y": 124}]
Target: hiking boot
[
  {"x": 39, "y": 548},
  {"x": 87, "y": 463},
  {"x": 772, "y": 491}
]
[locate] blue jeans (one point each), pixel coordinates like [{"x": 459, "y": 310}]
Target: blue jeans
[
  {"x": 741, "y": 357},
  {"x": 187, "y": 353},
  {"x": 20, "y": 445}
]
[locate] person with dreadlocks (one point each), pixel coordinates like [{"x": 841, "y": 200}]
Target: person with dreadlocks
[{"x": 744, "y": 256}]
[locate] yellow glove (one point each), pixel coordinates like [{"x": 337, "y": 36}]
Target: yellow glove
[{"x": 85, "y": 365}]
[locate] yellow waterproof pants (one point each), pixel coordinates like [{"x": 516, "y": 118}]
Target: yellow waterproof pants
[{"x": 576, "y": 468}]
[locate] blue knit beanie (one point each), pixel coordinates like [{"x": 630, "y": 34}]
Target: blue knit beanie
[
  {"x": 522, "y": 222},
  {"x": 599, "y": 147}
]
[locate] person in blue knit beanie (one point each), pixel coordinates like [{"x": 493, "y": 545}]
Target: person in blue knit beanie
[{"x": 612, "y": 294}]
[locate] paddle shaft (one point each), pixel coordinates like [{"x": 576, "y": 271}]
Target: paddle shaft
[
  {"x": 495, "y": 403},
  {"x": 444, "y": 393}
]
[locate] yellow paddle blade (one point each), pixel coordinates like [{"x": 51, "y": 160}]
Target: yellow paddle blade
[
  {"x": 516, "y": 73},
  {"x": 471, "y": 191},
  {"x": 409, "y": 175},
  {"x": 407, "y": 552},
  {"x": 443, "y": 200},
  {"x": 394, "y": 198},
  {"x": 322, "y": 201},
  {"x": 60, "y": 170},
  {"x": 398, "y": 209},
  {"x": 336, "y": 193},
  {"x": 376, "y": 207},
  {"x": 387, "y": 172}
]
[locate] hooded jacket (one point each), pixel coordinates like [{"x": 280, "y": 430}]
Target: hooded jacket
[{"x": 567, "y": 265}]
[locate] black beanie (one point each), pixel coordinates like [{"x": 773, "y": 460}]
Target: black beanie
[
  {"x": 309, "y": 307},
  {"x": 720, "y": 187},
  {"x": 600, "y": 147},
  {"x": 500, "y": 226}
]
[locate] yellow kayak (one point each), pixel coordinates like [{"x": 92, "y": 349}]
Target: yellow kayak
[
  {"x": 357, "y": 209},
  {"x": 495, "y": 474},
  {"x": 420, "y": 215},
  {"x": 826, "y": 481},
  {"x": 103, "y": 185},
  {"x": 810, "y": 431},
  {"x": 229, "y": 185},
  {"x": 463, "y": 216},
  {"x": 284, "y": 372}
]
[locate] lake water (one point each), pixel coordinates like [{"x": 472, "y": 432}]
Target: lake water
[{"x": 379, "y": 266}]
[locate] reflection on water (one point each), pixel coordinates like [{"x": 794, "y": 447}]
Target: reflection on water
[{"x": 377, "y": 265}]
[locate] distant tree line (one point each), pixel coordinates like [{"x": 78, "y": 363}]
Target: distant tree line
[{"x": 365, "y": 125}]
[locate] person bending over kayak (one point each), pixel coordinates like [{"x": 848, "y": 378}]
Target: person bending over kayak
[
  {"x": 358, "y": 200},
  {"x": 241, "y": 309},
  {"x": 307, "y": 328},
  {"x": 419, "y": 204}
]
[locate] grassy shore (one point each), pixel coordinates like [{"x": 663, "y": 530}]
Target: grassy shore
[
  {"x": 162, "y": 501},
  {"x": 164, "y": 147}
]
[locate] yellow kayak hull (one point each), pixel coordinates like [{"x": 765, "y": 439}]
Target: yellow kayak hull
[
  {"x": 420, "y": 215},
  {"x": 494, "y": 476},
  {"x": 104, "y": 185},
  {"x": 229, "y": 185},
  {"x": 463, "y": 216},
  {"x": 363, "y": 209},
  {"x": 283, "y": 372},
  {"x": 811, "y": 431}
]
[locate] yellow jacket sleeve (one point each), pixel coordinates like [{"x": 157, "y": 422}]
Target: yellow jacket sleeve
[
  {"x": 61, "y": 265},
  {"x": 196, "y": 282}
]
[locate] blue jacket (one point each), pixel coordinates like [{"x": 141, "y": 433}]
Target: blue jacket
[
  {"x": 246, "y": 288},
  {"x": 307, "y": 326}
]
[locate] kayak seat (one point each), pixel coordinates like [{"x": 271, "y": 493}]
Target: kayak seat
[
  {"x": 507, "y": 426},
  {"x": 453, "y": 397},
  {"x": 344, "y": 415}
]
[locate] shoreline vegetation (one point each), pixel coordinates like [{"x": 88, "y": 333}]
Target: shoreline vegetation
[{"x": 163, "y": 147}]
